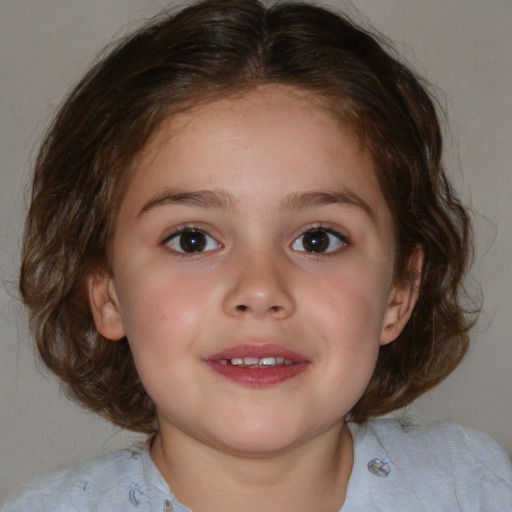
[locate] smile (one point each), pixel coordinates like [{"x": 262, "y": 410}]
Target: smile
[{"x": 258, "y": 365}]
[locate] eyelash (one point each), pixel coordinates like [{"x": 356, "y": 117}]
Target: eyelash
[
  {"x": 320, "y": 227},
  {"x": 187, "y": 229},
  {"x": 342, "y": 239}
]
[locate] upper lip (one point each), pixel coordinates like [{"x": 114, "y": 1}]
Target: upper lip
[{"x": 257, "y": 350}]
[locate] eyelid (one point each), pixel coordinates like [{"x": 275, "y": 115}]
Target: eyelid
[
  {"x": 188, "y": 228},
  {"x": 328, "y": 228}
]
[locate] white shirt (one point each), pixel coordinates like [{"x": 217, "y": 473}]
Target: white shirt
[{"x": 437, "y": 468}]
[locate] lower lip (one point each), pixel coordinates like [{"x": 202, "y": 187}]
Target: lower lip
[{"x": 258, "y": 377}]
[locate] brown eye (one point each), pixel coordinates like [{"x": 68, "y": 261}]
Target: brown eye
[
  {"x": 319, "y": 241},
  {"x": 192, "y": 241}
]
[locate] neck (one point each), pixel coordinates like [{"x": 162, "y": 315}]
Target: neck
[{"x": 312, "y": 476}]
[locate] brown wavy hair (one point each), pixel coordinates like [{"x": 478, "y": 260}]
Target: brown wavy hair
[{"x": 209, "y": 50}]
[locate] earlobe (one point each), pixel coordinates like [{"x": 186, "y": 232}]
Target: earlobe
[
  {"x": 104, "y": 306},
  {"x": 402, "y": 299}
]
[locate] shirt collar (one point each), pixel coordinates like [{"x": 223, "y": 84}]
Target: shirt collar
[{"x": 160, "y": 495}]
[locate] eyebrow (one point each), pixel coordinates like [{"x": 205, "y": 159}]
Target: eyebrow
[
  {"x": 222, "y": 200},
  {"x": 300, "y": 201},
  {"x": 199, "y": 198}
]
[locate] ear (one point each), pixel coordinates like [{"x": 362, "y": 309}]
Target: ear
[
  {"x": 104, "y": 305},
  {"x": 402, "y": 299}
]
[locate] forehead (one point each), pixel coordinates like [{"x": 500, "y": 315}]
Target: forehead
[
  {"x": 271, "y": 140},
  {"x": 257, "y": 109}
]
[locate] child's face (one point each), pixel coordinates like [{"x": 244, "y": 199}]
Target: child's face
[{"x": 253, "y": 227}]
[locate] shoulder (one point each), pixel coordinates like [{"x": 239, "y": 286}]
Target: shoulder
[
  {"x": 443, "y": 460},
  {"x": 114, "y": 478},
  {"x": 440, "y": 438},
  {"x": 441, "y": 442}
]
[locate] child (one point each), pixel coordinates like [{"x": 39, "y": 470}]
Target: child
[{"x": 242, "y": 243}]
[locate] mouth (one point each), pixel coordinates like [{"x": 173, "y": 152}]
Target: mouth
[
  {"x": 258, "y": 365},
  {"x": 257, "y": 362}
]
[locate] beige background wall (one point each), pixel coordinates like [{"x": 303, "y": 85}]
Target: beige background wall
[{"x": 463, "y": 46}]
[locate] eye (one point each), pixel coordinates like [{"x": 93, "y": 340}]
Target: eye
[
  {"x": 192, "y": 241},
  {"x": 319, "y": 240}
]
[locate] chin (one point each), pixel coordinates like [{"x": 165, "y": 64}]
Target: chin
[
  {"x": 258, "y": 447},
  {"x": 262, "y": 439}
]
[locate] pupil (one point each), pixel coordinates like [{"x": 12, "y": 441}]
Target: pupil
[
  {"x": 192, "y": 241},
  {"x": 316, "y": 241}
]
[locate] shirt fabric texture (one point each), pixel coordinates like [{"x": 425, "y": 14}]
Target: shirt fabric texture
[{"x": 436, "y": 468}]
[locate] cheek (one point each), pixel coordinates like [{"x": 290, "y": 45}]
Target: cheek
[
  {"x": 158, "y": 307},
  {"x": 351, "y": 314},
  {"x": 162, "y": 320},
  {"x": 351, "y": 302}
]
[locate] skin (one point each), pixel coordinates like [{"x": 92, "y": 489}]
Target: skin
[{"x": 284, "y": 446}]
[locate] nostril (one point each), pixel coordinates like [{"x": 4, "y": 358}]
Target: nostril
[{"x": 242, "y": 308}]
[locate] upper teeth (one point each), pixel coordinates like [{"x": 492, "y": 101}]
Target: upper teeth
[{"x": 256, "y": 361}]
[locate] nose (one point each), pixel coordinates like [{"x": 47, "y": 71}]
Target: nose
[{"x": 259, "y": 287}]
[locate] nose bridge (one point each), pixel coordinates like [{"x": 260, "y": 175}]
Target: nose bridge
[{"x": 259, "y": 285}]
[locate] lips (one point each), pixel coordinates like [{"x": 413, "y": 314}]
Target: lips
[{"x": 257, "y": 365}]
